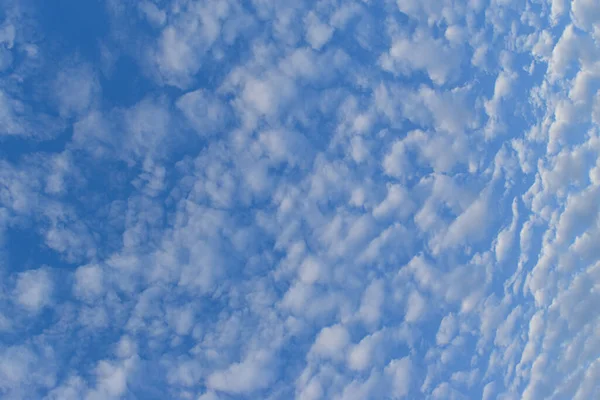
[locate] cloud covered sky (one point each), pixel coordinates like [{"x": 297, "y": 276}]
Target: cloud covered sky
[{"x": 256, "y": 199}]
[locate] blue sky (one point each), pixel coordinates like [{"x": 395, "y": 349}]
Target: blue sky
[{"x": 317, "y": 200}]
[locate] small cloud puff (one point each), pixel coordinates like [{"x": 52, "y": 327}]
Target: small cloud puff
[{"x": 34, "y": 289}]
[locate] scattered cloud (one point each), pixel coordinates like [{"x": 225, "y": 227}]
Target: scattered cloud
[{"x": 314, "y": 200}]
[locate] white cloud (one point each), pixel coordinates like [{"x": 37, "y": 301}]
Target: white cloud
[
  {"x": 72, "y": 389},
  {"x": 586, "y": 14},
  {"x": 401, "y": 376},
  {"x": 5, "y": 323},
  {"x": 183, "y": 43},
  {"x": 23, "y": 367},
  {"x": 447, "y": 330},
  {"x": 209, "y": 396},
  {"x": 34, "y": 288},
  {"x": 311, "y": 270},
  {"x": 396, "y": 162},
  {"x": 155, "y": 15},
  {"x": 467, "y": 227},
  {"x": 570, "y": 49},
  {"x": 506, "y": 237},
  {"x": 331, "y": 342},
  {"x": 17, "y": 119},
  {"x": 317, "y": 32},
  {"x": 558, "y": 8},
  {"x": 421, "y": 52},
  {"x": 396, "y": 203},
  {"x": 89, "y": 281},
  {"x": 371, "y": 304},
  {"x": 502, "y": 90},
  {"x": 206, "y": 113},
  {"x": 362, "y": 355},
  {"x": 76, "y": 89},
  {"x": 415, "y": 308},
  {"x": 182, "y": 320},
  {"x": 126, "y": 348},
  {"x": 252, "y": 374},
  {"x": 15, "y": 367},
  {"x": 111, "y": 379}
]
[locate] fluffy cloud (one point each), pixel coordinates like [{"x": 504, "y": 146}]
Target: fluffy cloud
[{"x": 33, "y": 289}]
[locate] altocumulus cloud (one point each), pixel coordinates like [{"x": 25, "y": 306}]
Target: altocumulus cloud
[{"x": 217, "y": 200}]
